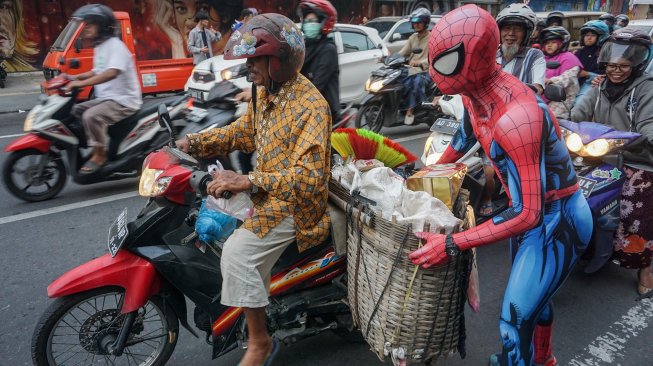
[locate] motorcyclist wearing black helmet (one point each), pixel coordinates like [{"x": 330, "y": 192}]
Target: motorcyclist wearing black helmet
[
  {"x": 555, "y": 19},
  {"x": 114, "y": 79},
  {"x": 624, "y": 100},
  {"x": 622, "y": 21},
  {"x": 415, "y": 83},
  {"x": 610, "y": 20}
]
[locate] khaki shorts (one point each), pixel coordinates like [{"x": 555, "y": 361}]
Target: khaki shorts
[{"x": 247, "y": 262}]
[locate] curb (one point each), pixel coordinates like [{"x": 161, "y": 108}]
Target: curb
[{"x": 24, "y": 73}]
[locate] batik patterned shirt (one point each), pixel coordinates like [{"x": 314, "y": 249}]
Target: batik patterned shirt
[{"x": 291, "y": 137}]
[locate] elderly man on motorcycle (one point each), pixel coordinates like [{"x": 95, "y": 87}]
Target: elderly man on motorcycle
[
  {"x": 288, "y": 125},
  {"x": 416, "y": 81}
]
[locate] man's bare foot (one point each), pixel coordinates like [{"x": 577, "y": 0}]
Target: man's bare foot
[{"x": 257, "y": 353}]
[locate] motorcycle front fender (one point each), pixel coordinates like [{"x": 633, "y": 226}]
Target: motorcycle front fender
[
  {"x": 29, "y": 141},
  {"x": 135, "y": 275}
]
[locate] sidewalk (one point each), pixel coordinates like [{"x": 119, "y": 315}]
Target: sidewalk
[{"x": 21, "y": 92}]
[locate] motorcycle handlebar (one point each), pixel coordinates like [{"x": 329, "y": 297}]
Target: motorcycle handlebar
[{"x": 201, "y": 179}]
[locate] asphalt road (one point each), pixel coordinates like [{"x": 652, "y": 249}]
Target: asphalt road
[{"x": 598, "y": 322}]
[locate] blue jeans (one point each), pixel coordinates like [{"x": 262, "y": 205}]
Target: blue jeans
[
  {"x": 585, "y": 87},
  {"x": 414, "y": 87}
]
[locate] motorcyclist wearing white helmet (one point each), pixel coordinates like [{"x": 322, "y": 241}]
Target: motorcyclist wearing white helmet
[{"x": 415, "y": 83}]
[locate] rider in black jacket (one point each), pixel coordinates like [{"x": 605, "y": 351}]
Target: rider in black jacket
[{"x": 321, "y": 60}]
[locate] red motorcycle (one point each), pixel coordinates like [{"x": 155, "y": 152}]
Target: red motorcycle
[{"x": 125, "y": 307}]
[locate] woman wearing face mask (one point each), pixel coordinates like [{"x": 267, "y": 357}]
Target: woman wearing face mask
[
  {"x": 624, "y": 100},
  {"x": 562, "y": 67},
  {"x": 321, "y": 60},
  {"x": 592, "y": 36}
]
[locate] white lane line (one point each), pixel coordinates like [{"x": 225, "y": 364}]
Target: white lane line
[
  {"x": 68, "y": 207},
  {"x": 10, "y": 136},
  {"x": 409, "y": 138},
  {"x": 608, "y": 349}
]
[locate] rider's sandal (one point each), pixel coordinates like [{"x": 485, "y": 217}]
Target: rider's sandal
[
  {"x": 643, "y": 291},
  {"x": 90, "y": 167},
  {"x": 483, "y": 211}
]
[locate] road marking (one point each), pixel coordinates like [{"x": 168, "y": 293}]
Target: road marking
[
  {"x": 68, "y": 207},
  {"x": 608, "y": 349},
  {"x": 11, "y": 136},
  {"x": 409, "y": 138},
  {"x": 19, "y": 93}
]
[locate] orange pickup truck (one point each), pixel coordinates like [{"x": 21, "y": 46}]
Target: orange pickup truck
[{"x": 73, "y": 54}]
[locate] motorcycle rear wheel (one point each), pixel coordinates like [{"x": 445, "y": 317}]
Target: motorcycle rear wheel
[
  {"x": 370, "y": 117},
  {"x": 53, "y": 176},
  {"x": 97, "y": 322}
]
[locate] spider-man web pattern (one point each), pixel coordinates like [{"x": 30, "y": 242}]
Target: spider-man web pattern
[{"x": 548, "y": 220}]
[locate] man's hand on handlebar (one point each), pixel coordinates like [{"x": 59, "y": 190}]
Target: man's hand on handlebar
[
  {"x": 72, "y": 85},
  {"x": 244, "y": 96},
  {"x": 228, "y": 180}
]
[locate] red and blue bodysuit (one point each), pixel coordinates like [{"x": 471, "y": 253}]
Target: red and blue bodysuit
[{"x": 548, "y": 222}]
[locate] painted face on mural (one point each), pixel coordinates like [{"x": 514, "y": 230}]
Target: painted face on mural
[{"x": 7, "y": 28}]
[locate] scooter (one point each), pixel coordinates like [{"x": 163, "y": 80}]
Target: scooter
[
  {"x": 126, "y": 306},
  {"x": 442, "y": 132},
  {"x": 596, "y": 151},
  {"x": 383, "y": 105},
  {"x": 596, "y": 154},
  {"x": 36, "y": 169},
  {"x": 3, "y": 73}
]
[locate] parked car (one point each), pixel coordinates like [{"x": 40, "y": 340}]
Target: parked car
[
  {"x": 645, "y": 25},
  {"x": 359, "y": 51},
  {"x": 395, "y": 30}
]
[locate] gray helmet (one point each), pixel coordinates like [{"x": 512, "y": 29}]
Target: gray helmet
[
  {"x": 98, "y": 14},
  {"x": 519, "y": 14},
  {"x": 420, "y": 15},
  {"x": 622, "y": 20},
  {"x": 553, "y": 16}
]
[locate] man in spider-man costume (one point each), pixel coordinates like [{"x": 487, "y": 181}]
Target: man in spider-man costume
[{"x": 548, "y": 221}]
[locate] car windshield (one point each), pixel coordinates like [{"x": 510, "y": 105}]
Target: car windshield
[
  {"x": 66, "y": 35},
  {"x": 383, "y": 27}
]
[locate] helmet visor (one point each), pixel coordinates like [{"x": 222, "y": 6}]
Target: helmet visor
[{"x": 623, "y": 53}]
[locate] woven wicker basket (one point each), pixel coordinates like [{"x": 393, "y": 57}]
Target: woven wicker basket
[{"x": 400, "y": 309}]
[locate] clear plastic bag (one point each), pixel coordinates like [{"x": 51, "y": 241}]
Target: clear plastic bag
[{"x": 239, "y": 205}]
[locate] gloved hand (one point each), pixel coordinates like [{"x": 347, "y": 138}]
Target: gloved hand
[{"x": 432, "y": 253}]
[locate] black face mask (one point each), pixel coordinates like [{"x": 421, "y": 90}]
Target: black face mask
[{"x": 615, "y": 91}]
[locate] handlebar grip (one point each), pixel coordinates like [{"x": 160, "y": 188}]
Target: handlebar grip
[{"x": 226, "y": 195}]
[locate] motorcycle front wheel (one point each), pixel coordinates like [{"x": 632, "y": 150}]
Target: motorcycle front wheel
[
  {"x": 77, "y": 329},
  {"x": 370, "y": 117},
  {"x": 25, "y": 179}
]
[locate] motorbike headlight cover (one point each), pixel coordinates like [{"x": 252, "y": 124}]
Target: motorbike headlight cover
[
  {"x": 367, "y": 84},
  {"x": 574, "y": 142},
  {"x": 234, "y": 72},
  {"x": 376, "y": 86},
  {"x": 598, "y": 147},
  {"x": 151, "y": 185},
  {"x": 29, "y": 121}
]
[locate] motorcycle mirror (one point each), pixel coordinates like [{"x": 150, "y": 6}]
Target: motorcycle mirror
[
  {"x": 166, "y": 122},
  {"x": 552, "y": 65},
  {"x": 555, "y": 93},
  {"x": 74, "y": 63},
  {"x": 417, "y": 50}
]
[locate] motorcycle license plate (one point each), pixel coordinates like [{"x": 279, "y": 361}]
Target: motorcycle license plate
[
  {"x": 118, "y": 233},
  {"x": 445, "y": 125},
  {"x": 586, "y": 185},
  {"x": 196, "y": 94}
]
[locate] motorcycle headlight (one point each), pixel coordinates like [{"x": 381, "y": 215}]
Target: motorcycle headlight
[
  {"x": 29, "y": 121},
  {"x": 151, "y": 185},
  {"x": 234, "y": 72},
  {"x": 598, "y": 147},
  {"x": 574, "y": 142}
]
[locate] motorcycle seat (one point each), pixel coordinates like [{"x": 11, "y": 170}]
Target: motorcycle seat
[
  {"x": 118, "y": 131},
  {"x": 292, "y": 255}
]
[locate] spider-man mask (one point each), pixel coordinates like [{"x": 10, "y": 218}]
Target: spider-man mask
[{"x": 462, "y": 50}]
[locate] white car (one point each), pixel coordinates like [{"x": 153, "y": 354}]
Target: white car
[
  {"x": 395, "y": 30},
  {"x": 645, "y": 25},
  {"x": 359, "y": 51}
]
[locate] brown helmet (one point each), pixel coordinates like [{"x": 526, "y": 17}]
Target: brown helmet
[{"x": 271, "y": 35}]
